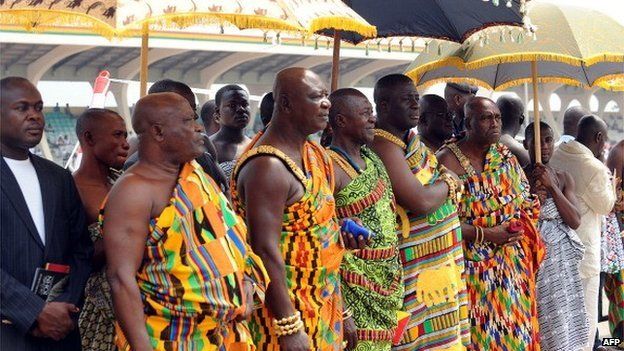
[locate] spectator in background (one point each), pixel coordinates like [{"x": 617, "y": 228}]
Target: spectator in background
[
  {"x": 512, "y": 113},
  {"x": 560, "y": 298},
  {"x": 571, "y": 117},
  {"x": 435, "y": 125},
  {"x": 102, "y": 135},
  {"x": 596, "y": 195},
  {"x": 614, "y": 282},
  {"x": 233, "y": 115},
  {"x": 207, "y": 116},
  {"x": 456, "y": 96},
  {"x": 266, "y": 108}
]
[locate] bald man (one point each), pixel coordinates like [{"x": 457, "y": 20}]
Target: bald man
[
  {"x": 283, "y": 187},
  {"x": 596, "y": 197},
  {"x": 571, "y": 118},
  {"x": 512, "y": 114},
  {"x": 208, "y": 158},
  {"x": 435, "y": 125},
  {"x": 176, "y": 252},
  {"x": 42, "y": 221},
  {"x": 502, "y": 247}
]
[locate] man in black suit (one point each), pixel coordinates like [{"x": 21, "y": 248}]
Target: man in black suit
[{"x": 41, "y": 221}]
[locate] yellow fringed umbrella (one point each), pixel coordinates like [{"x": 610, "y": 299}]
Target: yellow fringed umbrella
[
  {"x": 118, "y": 18},
  {"x": 572, "y": 46}
]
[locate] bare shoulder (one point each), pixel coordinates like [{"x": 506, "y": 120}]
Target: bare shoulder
[
  {"x": 447, "y": 158},
  {"x": 264, "y": 172},
  {"x": 130, "y": 188}
]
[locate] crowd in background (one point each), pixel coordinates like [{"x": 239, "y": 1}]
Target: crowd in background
[{"x": 192, "y": 235}]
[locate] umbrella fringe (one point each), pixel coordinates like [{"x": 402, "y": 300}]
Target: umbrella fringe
[
  {"x": 342, "y": 23},
  {"x": 197, "y": 18},
  {"x": 31, "y": 20},
  {"x": 601, "y": 82},
  {"x": 542, "y": 56},
  {"x": 605, "y": 82},
  {"x": 458, "y": 63}
]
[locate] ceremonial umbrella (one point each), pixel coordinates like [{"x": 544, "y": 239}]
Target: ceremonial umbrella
[
  {"x": 451, "y": 20},
  {"x": 118, "y": 18},
  {"x": 572, "y": 46}
]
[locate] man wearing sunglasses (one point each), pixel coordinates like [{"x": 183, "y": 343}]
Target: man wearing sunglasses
[
  {"x": 435, "y": 125},
  {"x": 512, "y": 113}
]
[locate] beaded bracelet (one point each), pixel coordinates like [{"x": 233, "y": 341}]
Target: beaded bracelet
[
  {"x": 287, "y": 320},
  {"x": 289, "y": 329},
  {"x": 479, "y": 236}
]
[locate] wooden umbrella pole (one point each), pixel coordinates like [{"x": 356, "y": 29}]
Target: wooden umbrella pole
[
  {"x": 536, "y": 116},
  {"x": 335, "y": 62},
  {"x": 144, "y": 55}
]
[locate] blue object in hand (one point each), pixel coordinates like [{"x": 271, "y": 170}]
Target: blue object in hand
[{"x": 349, "y": 226}]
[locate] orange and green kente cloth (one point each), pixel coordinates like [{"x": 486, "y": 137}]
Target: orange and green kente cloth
[
  {"x": 191, "y": 277},
  {"x": 310, "y": 246}
]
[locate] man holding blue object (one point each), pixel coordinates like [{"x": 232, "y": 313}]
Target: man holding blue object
[{"x": 371, "y": 278}]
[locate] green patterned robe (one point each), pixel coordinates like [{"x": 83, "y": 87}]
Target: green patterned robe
[{"x": 372, "y": 284}]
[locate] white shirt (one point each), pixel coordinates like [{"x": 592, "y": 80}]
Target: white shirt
[
  {"x": 596, "y": 197},
  {"x": 564, "y": 139},
  {"x": 27, "y": 179}
]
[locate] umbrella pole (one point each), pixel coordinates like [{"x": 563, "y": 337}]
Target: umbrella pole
[
  {"x": 536, "y": 117},
  {"x": 144, "y": 54},
  {"x": 335, "y": 61}
]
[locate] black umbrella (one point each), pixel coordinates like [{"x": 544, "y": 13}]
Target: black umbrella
[{"x": 453, "y": 20}]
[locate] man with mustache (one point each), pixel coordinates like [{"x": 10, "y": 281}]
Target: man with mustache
[
  {"x": 232, "y": 114},
  {"x": 283, "y": 187},
  {"x": 502, "y": 248},
  {"x": 181, "y": 272},
  {"x": 371, "y": 277},
  {"x": 208, "y": 157},
  {"x": 430, "y": 234},
  {"x": 43, "y": 221}
]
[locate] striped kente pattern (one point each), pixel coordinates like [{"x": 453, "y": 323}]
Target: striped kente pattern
[
  {"x": 433, "y": 263},
  {"x": 310, "y": 246},
  {"x": 501, "y": 280},
  {"x": 191, "y": 277}
]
